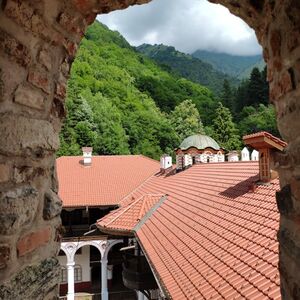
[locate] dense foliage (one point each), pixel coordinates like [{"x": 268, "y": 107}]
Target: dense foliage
[
  {"x": 185, "y": 120},
  {"x": 119, "y": 101},
  {"x": 234, "y": 65},
  {"x": 249, "y": 104},
  {"x": 187, "y": 66},
  {"x": 224, "y": 129}
]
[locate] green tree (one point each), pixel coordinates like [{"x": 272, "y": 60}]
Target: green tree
[
  {"x": 258, "y": 119},
  {"x": 224, "y": 129},
  {"x": 227, "y": 95},
  {"x": 118, "y": 100},
  {"x": 186, "y": 120}
]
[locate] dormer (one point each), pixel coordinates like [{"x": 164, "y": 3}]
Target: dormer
[{"x": 266, "y": 144}]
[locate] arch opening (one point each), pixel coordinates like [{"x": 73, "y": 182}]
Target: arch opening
[{"x": 36, "y": 55}]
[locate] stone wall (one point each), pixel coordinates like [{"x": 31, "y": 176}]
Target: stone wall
[{"x": 38, "y": 42}]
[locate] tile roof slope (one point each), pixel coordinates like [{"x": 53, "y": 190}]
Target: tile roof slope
[
  {"x": 126, "y": 217},
  {"x": 212, "y": 238},
  {"x": 105, "y": 182}
]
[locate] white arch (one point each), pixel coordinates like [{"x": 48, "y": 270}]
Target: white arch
[
  {"x": 109, "y": 246},
  {"x": 70, "y": 249}
]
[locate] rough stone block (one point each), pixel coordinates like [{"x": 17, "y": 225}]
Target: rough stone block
[
  {"x": 13, "y": 48},
  {"x": 24, "y": 14},
  {"x": 58, "y": 108},
  {"x": 70, "y": 47},
  {"x": 18, "y": 208},
  {"x": 40, "y": 79},
  {"x": 26, "y": 173},
  {"x": 4, "y": 255},
  {"x": 284, "y": 200},
  {"x": 29, "y": 135},
  {"x": 65, "y": 69},
  {"x": 289, "y": 243},
  {"x": 45, "y": 59},
  {"x": 28, "y": 96},
  {"x": 34, "y": 240},
  {"x": 71, "y": 24},
  {"x": 275, "y": 42},
  {"x": 33, "y": 282},
  {"x": 52, "y": 205},
  {"x": 60, "y": 90},
  {"x": 4, "y": 173},
  {"x": 1, "y": 86}
]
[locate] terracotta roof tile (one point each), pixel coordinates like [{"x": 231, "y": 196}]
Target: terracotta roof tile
[
  {"x": 105, "y": 182},
  {"x": 127, "y": 217},
  {"x": 212, "y": 238},
  {"x": 266, "y": 134}
]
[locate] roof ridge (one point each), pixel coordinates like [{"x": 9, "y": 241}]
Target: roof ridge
[
  {"x": 149, "y": 213},
  {"x": 125, "y": 210},
  {"x": 140, "y": 216},
  {"x": 149, "y": 158},
  {"x": 135, "y": 189}
]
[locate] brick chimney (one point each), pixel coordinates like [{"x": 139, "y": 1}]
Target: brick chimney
[
  {"x": 87, "y": 155},
  {"x": 266, "y": 144}
]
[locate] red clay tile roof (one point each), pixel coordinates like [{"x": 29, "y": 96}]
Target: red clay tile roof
[
  {"x": 212, "y": 238},
  {"x": 267, "y": 135},
  {"x": 127, "y": 217},
  {"x": 105, "y": 182}
]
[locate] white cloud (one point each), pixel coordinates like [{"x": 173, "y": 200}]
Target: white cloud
[{"x": 187, "y": 25}]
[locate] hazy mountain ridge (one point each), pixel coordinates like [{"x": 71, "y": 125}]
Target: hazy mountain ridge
[
  {"x": 187, "y": 66},
  {"x": 234, "y": 65}
]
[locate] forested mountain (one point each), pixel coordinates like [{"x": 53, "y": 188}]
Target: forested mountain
[
  {"x": 119, "y": 101},
  {"x": 234, "y": 65},
  {"x": 247, "y": 72},
  {"x": 187, "y": 66}
]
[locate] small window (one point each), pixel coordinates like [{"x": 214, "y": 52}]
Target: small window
[
  {"x": 63, "y": 275},
  {"x": 77, "y": 273}
]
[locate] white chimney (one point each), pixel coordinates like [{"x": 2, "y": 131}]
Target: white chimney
[
  {"x": 188, "y": 160},
  {"x": 221, "y": 157},
  {"x": 233, "y": 156},
  {"x": 245, "y": 154},
  {"x": 87, "y": 155},
  {"x": 165, "y": 162},
  {"x": 254, "y": 155}
]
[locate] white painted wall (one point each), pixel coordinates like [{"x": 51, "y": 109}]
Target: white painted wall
[
  {"x": 254, "y": 155},
  {"x": 233, "y": 156},
  {"x": 83, "y": 260},
  {"x": 188, "y": 160},
  {"x": 245, "y": 154},
  {"x": 165, "y": 162}
]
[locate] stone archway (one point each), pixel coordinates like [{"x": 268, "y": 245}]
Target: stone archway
[{"x": 38, "y": 42}]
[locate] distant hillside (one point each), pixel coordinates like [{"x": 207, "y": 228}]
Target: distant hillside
[
  {"x": 187, "y": 66},
  {"x": 119, "y": 101},
  {"x": 247, "y": 72},
  {"x": 237, "y": 66}
]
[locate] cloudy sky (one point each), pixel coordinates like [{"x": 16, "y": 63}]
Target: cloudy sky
[{"x": 186, "y": 24}]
